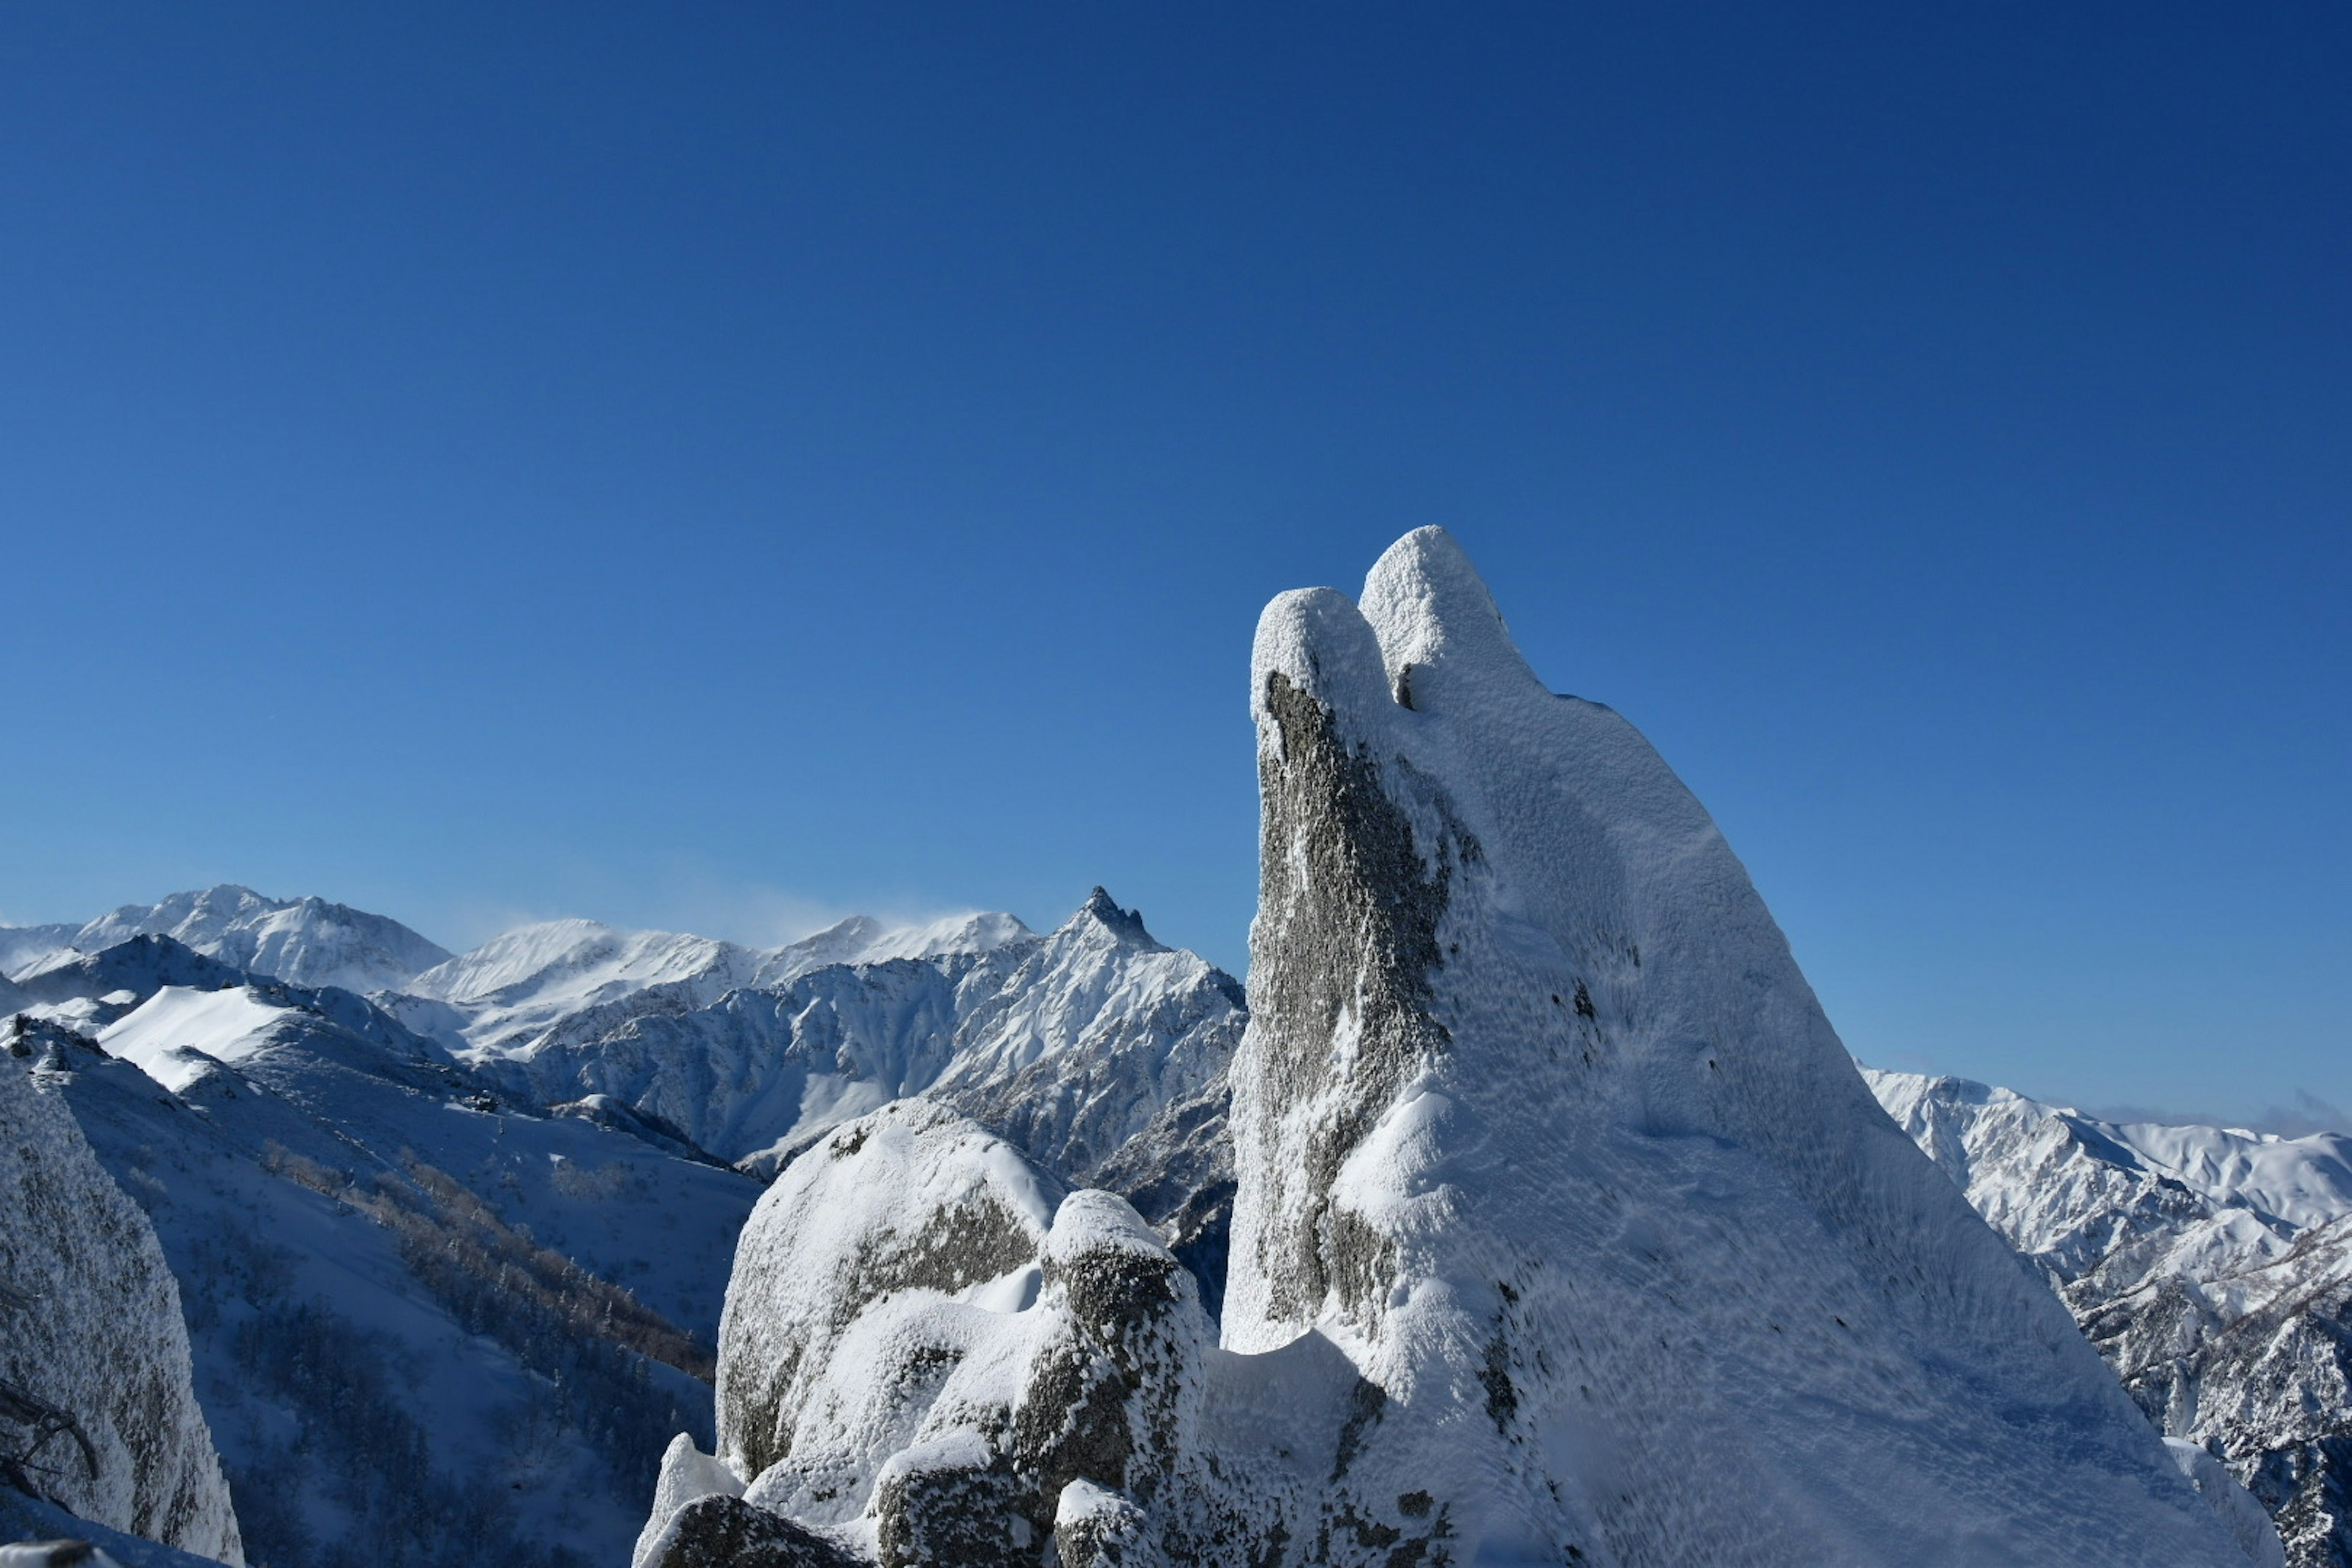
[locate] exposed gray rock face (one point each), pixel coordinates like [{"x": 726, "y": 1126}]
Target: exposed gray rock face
[
  {"x": 98, "y": 1409},
  {"x": 2212, "y": 1269},
  {"x": 723, "y": 1532}
]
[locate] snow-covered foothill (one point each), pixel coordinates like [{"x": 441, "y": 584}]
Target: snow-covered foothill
[
  {"x": 98, "y": 1410},
  {"x": 419, "y": 1317}
]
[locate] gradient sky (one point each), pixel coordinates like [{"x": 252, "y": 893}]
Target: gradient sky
[{"x": 720, "y": 467}]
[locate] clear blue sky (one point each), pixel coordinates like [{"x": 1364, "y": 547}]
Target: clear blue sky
[{"x": 715, "y": 467}]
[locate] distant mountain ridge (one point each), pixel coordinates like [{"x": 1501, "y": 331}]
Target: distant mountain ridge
[
  {"x": 2210, "y": 1266},
  {"x": 302, "y": 942}
]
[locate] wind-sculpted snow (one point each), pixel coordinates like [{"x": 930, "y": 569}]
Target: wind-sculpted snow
[
  {"x": 1564, "y": 1230},
  {"x": 98, "y": 1410},
  {"x": 2212, "y": 1267},
  {"x": 302, "y": 942}
]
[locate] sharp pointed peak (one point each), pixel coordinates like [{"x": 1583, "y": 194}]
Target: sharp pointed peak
[{"x": 1123, "y": 923}]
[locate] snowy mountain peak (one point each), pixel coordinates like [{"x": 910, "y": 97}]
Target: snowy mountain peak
[
  {"x": 302, "y": 942},
  {"x": 1127, "y": 925},
  {"x": 575, "y": 957}
]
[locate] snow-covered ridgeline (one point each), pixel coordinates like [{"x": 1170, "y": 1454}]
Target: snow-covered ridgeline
[
  {"x": 303, "y": 941},
  {"x": 1070, "y": 1043},
  {"x": 2211, "y": 1267}
]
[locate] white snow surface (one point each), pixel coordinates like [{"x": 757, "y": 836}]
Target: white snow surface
[
  {"x": 1657, "y": 1280},
  {"x": 176, "y": 1033}
]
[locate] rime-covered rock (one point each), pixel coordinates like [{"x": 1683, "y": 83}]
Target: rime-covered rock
[
  {"x": 927, "y": 1343},
  {"x": 98, "y": 1409},
  {"x": 1538, "y": 1121},
  {"x": 1563, "y": 1229}
]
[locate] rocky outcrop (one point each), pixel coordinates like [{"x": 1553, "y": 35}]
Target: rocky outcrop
[
  {"x": 98, "y": 1411},
  {"x": 1563, "y": 1229},
  {"x": 933, "y": 1354}
]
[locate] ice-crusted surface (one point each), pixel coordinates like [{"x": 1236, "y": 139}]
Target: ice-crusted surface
[
  {"x": 98, "y": 1408},
  {"x": 1564, "y": 1229},
  {"x": 302, "y": 942},
  {"x": 2211, "y": 1267},
  {"x": 26, "y": 1519}
]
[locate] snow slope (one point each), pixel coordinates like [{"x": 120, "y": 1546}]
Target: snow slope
[
  {"x": 175, "y": 1034},
  {"x": 404, "y": 1299},
  {"x": 97, "y": 1408},
  {"x": 303, "y": 941},
  {"x": 2211, "y": 1267}
]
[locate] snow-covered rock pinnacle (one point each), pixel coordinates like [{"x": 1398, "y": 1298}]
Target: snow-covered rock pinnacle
[
  {"x": 1565, "y": 1231},
  {"x": 1537, "y": 1119}
]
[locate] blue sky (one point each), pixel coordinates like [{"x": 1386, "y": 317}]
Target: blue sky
[{"x": 720, "y": 467}]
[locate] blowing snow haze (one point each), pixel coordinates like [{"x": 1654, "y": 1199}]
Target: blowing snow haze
[{"x": 1524, "y": 1209}]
